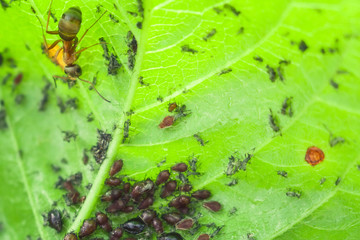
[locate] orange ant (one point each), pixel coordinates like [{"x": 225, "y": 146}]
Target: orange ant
[{"x": 68, "y": 27}]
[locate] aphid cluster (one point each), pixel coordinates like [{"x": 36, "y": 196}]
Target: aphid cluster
[
  {"x": 137, "y": 198},
  {"x": 180, "y": 112},
  {"x": 72, "y": 197},
  {"x": 99, "y": 151}
]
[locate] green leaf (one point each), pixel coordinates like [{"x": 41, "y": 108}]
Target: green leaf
[{"x": 234, "y": 65}]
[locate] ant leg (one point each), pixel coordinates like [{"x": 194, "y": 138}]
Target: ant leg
[
  {"x": 47, "y": 23},
  {"x": 90, "y": 27},
  {"x": 56, "y": 77},
  {"x": 83, "y": 49},
  {"x": 54, "y": 58},
  {"x": 95, "y": 89},
  {"x": 54, "y": 44}
]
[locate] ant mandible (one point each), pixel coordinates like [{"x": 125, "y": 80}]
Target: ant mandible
[{"x": 68, "y": 27}]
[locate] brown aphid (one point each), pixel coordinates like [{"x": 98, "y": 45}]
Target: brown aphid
[
  {"x": 185, "y": 224},
  {"x": 113, "y": 181},
  {"x": 88, "y": 227},
  {"x": 157, "y": 224},
  {"x": 126, "y": 187},
  {"x": 17, "y": 80},
  {"x": 116, "y": 234},
  {"x": 184, "y": 210},
  {"x": 185, "y": 188},
  {"x": 111, "y": 195},
  {"x": 70, "y": 236},
  {"x": 85, "y": 158},
  {"x": 141, "y": 188},
  {"x": 201, "y": 194},
  {"x": 72, "y": 197},
  {"x": 162, "y": 177},
  {"x": 180, "y": 202},
  {"x": 115, "y": 206},
  {"x": 314, "y": 155},
  {"x": 103, "y": 221},
  {"x": 167, "y": 122},
  {"x": 171, "y": 218},
  {"x": 146, "y": 203},
  {"x": 147, "y": 216},
  {"x": 204, "y": 237},
  {"x": 180, "y": 167},
  {"x": 116, "y": 167},
  {"x": 212, "y": 206},
  {"x": 172, "y": 106},
  {"x": 128, "y": 209},
  {"x": 169, "y": 188}
]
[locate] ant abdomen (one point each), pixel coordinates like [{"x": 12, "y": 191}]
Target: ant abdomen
[
  {"x": 73, "y": 71},
  {"x": 70, "y": 23}
]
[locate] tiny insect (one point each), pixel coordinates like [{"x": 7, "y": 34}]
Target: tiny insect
[
  {"x": 68, "y": 27},
  {"x": 116, "y": 234},
  {"x": 88, "y": 227},
  {"x": 184, "y": 224},
  {"x": 171, "y": 218},
  {"x": 103, "y": 221},
  {"x": 134, "y": 226},
  {"x": 147, "y": 216},
  {"x": 157, "y": 224},
  {"x": 169, "y": 188}
]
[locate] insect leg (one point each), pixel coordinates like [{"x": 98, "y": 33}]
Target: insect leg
[
  {"x": 92, "y": 85},
  {"x": 54, "y": 44},
  {"x": 83, "y": 49},
  {"x": 47, "y": 23},
  {"x": 89, "y": 28}
]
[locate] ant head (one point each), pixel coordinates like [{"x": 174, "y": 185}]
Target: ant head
[
  {"x": 73, "y": 70},
  {"x": 69, "y": 24}
]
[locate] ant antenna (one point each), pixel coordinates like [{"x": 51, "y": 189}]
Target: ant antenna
[{"x": 92, "y": 85}]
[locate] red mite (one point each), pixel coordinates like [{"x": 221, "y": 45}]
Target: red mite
[{"x": 314, "y": 155}]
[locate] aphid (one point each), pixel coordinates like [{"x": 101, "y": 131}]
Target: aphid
[
  {"x": 113, "y": 181},
  {"x": 172, "y": 106},
  {"x": 303, "y": 46},
  {"x": 293, "y": 194},
  {"x": 204, "y": 236},
  {"x": 68, "y": 135},
  {"x": 180, "y": 167},
  {"x": 186, "y": 48},
  {"x": 147, "y": 216},
  {"x": 201, "y": 194},
  {"x": 180, "y": 202},
  {"x": 72, "y": 103},
  {"x": 141, "y": 81},
  {"x": 185, "y": 188},
  {"x": 258, "y": 58},
  {"x": 157, "y": 224},
  {"x": 6, "y": 78},
  {"x": 68, "y": 27},
  {"x": 322, "y": 180},
  {"x": 286, "y": 108},
  {"x": 127, "y": 124},
  {"x": 70, "y": 236},
  {"x": 126, "y": 187},
  {"x": 99, "y": 151},
  {"x": 85, "y": 158},
  {"x": 146, "y": 203},
  {"x": 162, "y": 177},
  {"x": 139, "y": 25},
  {"x": 314, "y": 155},
  {"x": 3, "y": 124},
  {"x": 232, "y": 9},
  {"x": 1, "y": 59},
  {"x": 171, "y": 236},
  {"x": 210, "y": 34},
  {"x": 116, "y": 167},
  {"x": 167, "y": 122},
  {"x": 127, "y": 209},
  {"x": 55, "y": 221},
  {"x": 225, "y": 71},
  {"x": 282, "y": 173},
  {"x": 134, "y": 226},
  {"x": 335, "y": 141},
  {"x": 88, "y": 227},
  {"x": 185, "y": 224},
  {"x": 141, "y": 188},
  {"x": 338, "y": 180},
  {"x": 116, "y": 234},
  {"x": 103, "y": 221},
  {"x": 169, "y": 188},
  {"x": 171, "y": 218},
  {"x": 250, "y": 236},
  {"x": 212, "y": 206},
  {"x": 271, "y": 72},
  {"x": 232, "y": 183},
  {"x": 112, "y": 17},
  {"x": 111, "y": 195},
  {"x": 160, "y": 99},
  {"x": 116, "y": 206},
  {"x": 274, "y": 122},
  {"x": 113, "y": 65},
  {"x": 45, "y": 98},
  {"x": 334, "y": 84},
  {"x": 55, "y": 168},
  {"x": 199, "y": 139},
  {"x": 241, "y": 30},
  {"x": 17, "y": 80},
  {"x": 105, "y": 48}
]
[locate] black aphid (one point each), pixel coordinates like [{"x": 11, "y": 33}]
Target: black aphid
[
  {"x": 116, "y": 234},
  {"x": 338, "y": 180},
  {"x": 55, "y": 220},
  {"x": 171, "y": 236},
  {"x": 3, "y": 124},
  {"x": 286, "y": 108},
  {"x": 282, "y": 173},
  {"x": 303, "y": 46},
  {"x": 258, "y": 58},
  {"x": 113, "y": 65},
  {"x": 199, "y": 139},
  {"x": 99, "y": 151},
  {"x": 68, "y": 135},
  {"x": 209, "y": 34},
  {"x": 334, "y": 84},
  {"x": 127, "y": 124},
  {"x": 134, "y": 226},
  {"x": 271, "y": 72},
  {"x": 232, "y": 9},
  {"x": 186, "y": 48},
  {"x": 274, "y": 122}
]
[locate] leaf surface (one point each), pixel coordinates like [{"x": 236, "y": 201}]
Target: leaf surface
[{"x": 205, "y": 56}]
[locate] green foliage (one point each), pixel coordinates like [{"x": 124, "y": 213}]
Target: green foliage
[{"x": 233, "y": 64}]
